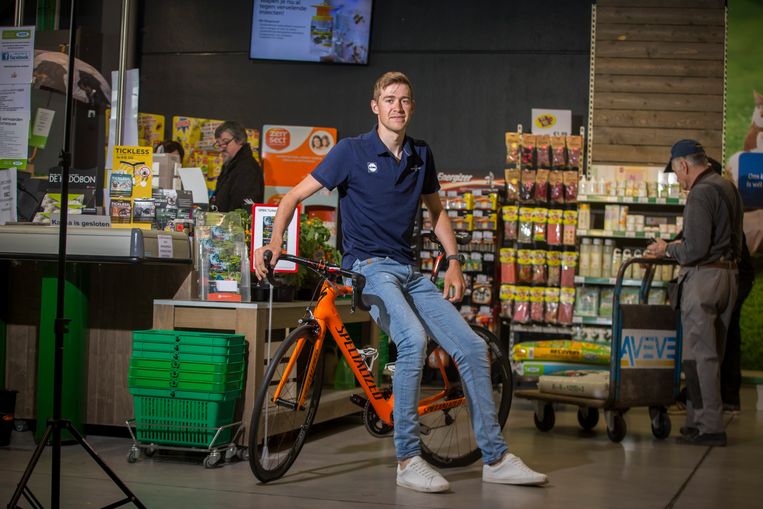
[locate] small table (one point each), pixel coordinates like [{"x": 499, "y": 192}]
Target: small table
[{"x": 251, "y": 320}]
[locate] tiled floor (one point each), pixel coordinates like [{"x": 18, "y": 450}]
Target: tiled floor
[{"x": 344, "y": 467}]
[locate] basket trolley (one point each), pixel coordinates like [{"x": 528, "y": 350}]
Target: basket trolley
[
  {"x": 644, "y": 367},
  {"x": 185, "y": 386}
]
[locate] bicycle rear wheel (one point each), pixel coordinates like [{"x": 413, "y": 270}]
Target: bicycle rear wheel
[
  {"x": 279, "y": 426},
  {"x": 447, "y": 438}
]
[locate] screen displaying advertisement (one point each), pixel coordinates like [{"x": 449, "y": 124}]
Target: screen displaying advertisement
[{"x": 334, "y": 31}]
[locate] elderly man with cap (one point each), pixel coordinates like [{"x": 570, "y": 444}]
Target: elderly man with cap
[{"x": 708, "y": 254}]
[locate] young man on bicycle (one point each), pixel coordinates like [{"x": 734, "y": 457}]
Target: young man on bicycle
[{"x": 382, "y": 176}]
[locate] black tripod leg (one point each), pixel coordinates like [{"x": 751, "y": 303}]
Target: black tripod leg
[
  {"x": 112, "y": 475},
  {"x": 20, "y": 489}
]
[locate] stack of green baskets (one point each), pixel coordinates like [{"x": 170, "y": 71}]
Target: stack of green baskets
[{"x": 185, "y": 386}]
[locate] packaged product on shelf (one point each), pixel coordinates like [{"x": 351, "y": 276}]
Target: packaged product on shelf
[
  {"x": 562, "y": 350},
  {"x": 584, "y": 216},
  {"x": 551, "y": 297},
  {"x": 566, "y": 305},
  {"x": 120, "y": 211},
  {"x": 554, "y": 272},
  {"x": 554, "y": 227},
  {"x": 597, "y": 251},
  {"x": 484, "y": 220},
  {"x": 543, "y": 152},
  {"x": 461, "y": 222},
  {"x": 539, "y": 266},
  {"x": 527, "y": 189},
  {"x": 570, "y": 179},
  {"x": 627, "y": 255},
  {"x": 525, "y": 230},
  {"x": 658, "y": 297},
  {"x": 473, "y": 262},
  {"x": 556, "y": 187},
  {"x": 484, "y": 200},
  {"x": 611, "y": 216},
  {"x": 536, "y": 303},
  {"x": 524, "y": 266},
  {"x": 617, "y": 261},
  {"x": 540, "y": 217},
  {"x": 574, "y": 151},
  {"x": 527, "y": 151},
  {"x": 587, "y": 301},
  {"x": 584, "y": 262},
  {"x": 605, "y": 302},
  {"x": 569, "y": 264},
  {"x": 484, "y": 317},
  {"x": 537, "y": 368},
  {"x": 521, "y": 312},
  {"x": 622, "y": 221},
  {"x": 508, "y": 265},
  {"x": 506, "y": 308},
  {"x": 558, "y": 153},
  {"x": 456, "y": 201},
  {"x": 506, "y": 296},
  {"x": 510, "y": 217},
  {"x": 144, "y": 210},
  {"x": 570, "y": 222},
  {"x": 541, "y": 186},
  {"x": 427, "y": 262},
  {"x": 512, "y": 177},
  {"x": 637, "y": 271},
  {"x": 482, "y": 292},
  {"x": 512, "y": 150},
  {"x": 581, "y": 384},
  {"x": 629, "y": 295},
  {"x": 606, "y": 258}
]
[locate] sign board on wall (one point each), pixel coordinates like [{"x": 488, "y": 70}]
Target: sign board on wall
[
  {"x": 552, "y": 122},
  {"x": 289, "y": 153}
]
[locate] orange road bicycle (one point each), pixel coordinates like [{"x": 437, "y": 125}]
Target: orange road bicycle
[{"x": 288, "y": 396}]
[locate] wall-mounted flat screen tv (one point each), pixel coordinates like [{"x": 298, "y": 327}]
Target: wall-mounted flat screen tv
[{"x": 334, "y": 31}]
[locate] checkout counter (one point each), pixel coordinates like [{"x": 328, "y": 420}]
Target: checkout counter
[{"x": 120, "y": 280}]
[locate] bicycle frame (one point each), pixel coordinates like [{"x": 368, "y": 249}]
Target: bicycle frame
[{"x": 327, "y": 319}]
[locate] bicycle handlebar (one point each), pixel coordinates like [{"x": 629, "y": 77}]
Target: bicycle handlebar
[{"x": 324, "y": 270}]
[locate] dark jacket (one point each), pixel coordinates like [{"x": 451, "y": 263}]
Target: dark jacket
[{"x": 241, "y": 178}]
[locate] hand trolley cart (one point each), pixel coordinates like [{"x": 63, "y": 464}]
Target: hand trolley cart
[{"x": 645, "y": 365}]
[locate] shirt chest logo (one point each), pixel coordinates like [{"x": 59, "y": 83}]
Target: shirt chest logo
[{"x": 372, "y": 168}]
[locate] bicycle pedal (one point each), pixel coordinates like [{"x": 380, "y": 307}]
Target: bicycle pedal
[{"x": 286, "y": 404}]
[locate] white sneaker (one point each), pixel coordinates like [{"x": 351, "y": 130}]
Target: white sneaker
[
  {"x": 511, "y": 470},
  {"x": 418, "y": 475}
]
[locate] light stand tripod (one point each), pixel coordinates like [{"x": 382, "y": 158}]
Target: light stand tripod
[{"x": 57, "y": 423}]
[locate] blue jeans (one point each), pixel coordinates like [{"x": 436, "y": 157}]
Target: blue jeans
[{"x": 408, "y": 306}]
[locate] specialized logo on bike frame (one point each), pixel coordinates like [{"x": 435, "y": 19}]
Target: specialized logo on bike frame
[
  {"x": 372, "y": 167},
  {"x": 359, "y": 363}
]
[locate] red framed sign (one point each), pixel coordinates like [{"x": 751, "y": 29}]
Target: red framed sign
[{"x": 263, "y": 217}]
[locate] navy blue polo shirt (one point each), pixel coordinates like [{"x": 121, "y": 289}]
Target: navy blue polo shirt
[{"x": 378, "y": 196}]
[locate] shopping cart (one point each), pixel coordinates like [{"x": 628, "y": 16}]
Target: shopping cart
[{"x": 644, "y": 368}]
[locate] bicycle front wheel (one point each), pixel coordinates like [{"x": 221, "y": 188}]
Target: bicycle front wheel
[
  {"x": 447, "y": 437},
  {"x": 285, "y": 404}
]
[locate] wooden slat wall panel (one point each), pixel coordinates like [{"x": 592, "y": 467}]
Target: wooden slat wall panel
[
  {"x": 644, "y": 49},
  {"x": 658, "y": 84},
  {"x": 659, "y": 33},
  {"x": 668, "y": 119},
  {"x": 657, "y": 102},
  {"x": 664, "y": 3},
  {"x": 658, "y": 78},
  {"x": 654, "y": 67},
  {"x": 642, "y": 15}
]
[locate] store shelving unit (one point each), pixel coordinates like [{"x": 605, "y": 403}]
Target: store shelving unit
[{"x": 654, "y": 208}]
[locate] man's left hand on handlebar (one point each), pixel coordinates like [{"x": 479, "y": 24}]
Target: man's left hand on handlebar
[
  {"x": 454, "y": 279},
  {"x": 260, "y": 269}
]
